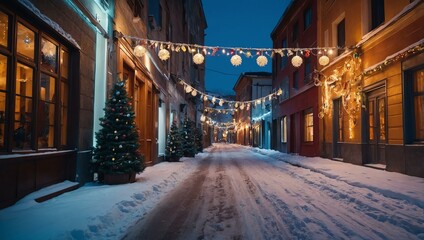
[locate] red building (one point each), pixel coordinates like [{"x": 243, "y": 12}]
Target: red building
[{"x": 295, "y": 112}]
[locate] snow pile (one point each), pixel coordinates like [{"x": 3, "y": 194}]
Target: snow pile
[
  {"x": 93, "y": 211},
  {"x": 393, "y": 185}
]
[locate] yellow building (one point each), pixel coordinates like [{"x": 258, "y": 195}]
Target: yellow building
[{"x": 372, "y": 91}]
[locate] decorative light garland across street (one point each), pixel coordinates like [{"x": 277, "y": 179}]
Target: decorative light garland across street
[
  {"x": 234, "y": 105},
  {"x": 199, "y": 52}
]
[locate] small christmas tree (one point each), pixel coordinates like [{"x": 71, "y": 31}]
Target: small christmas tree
[
  {"x": 117, "y": 148},
  {"x": 189, "y": 145},
  {"x": 174, "y": 144},
  {"x": 199, "y": 139}
]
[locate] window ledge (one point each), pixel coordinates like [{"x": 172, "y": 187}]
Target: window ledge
[{"x": 32, "y": 154}]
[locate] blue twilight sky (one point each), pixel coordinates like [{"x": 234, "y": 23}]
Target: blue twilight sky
[{"x": 238, "y": 23}]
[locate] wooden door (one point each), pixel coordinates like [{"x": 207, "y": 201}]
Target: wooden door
[{"x": 376, "y": 127}]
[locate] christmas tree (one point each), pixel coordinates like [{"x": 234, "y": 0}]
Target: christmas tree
[
  {"x": 174, "y": 144},
  {"x": 189, "y": 145},
  {"x": 199, "y": 139},
  {"x": 117, "y": 148}
]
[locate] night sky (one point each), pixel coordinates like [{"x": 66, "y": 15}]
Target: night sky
[{"x": 238, "y": 23}]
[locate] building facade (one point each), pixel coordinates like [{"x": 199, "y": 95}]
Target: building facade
[
  {"x": 58, "y": 61},
  {"x": 253, "y": 119},
  {"x": 295, "y": 112},
  {"x": 371, "y": 93},
  {"x": 153, "y": 84},
  {"x": 47, "y": 72}
]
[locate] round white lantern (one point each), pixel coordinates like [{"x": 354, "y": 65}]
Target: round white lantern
[
  {"x": 323, "y": 60},
  {"x": 188, "y": 89},
  {"x": 163, "y": 54},
  {"x": 198, "y": 58},
  {"x": 297, "y": 61},
  {"x": 139, "y": 51},
  {"x": 236, "y": 60},
  {"x": 261, "y": 61},
  {"x": 193, "y": 93}
]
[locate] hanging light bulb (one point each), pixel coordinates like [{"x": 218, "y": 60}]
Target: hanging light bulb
[
  {"x": 139, "y": 51},
  {"x": 205, "y": 98},
  {"x": 198, "y": 58},
  {"x": 323, "y": 60},
  {"x": 163, "y": 54},
  {"x": 188, "y": 88},
  {"x": 193, "y": 93},
  {"x": 242, "y": 106},
  {"x": 296, "y": 61},
  {"x": 236, "y": 60},
  {"x": 262, "y": 61},
  {"x": 202, "y": 118},
  {"x": 213, "y": 100},
  {"x": 221, "y": 102}
]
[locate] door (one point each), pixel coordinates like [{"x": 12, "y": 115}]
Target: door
[
  {"x": 376, "y": 126},
  {"x": 337, "y": 128},
  {"x": 150, "y": 141}
]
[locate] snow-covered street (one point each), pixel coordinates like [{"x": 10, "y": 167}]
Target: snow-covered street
[{"x": 232, "y": 192}]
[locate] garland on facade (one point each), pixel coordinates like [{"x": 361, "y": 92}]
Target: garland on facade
[
  {"x": 413, "y": 49},
  {"x": 236, "y": 54},
  {"x": 344, "y": 82}
]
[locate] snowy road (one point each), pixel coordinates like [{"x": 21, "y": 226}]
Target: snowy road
[{"x": 237, "y": 193}]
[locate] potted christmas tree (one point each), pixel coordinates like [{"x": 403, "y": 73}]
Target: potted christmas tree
[
  {"x": 116, "y": 156},
  {"x": 174, "y": 144},
  {"x": 189, "y": 145},
  {"x": 199, "y": 139}
]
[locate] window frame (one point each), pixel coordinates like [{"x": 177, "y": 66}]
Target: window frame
[
  {"x": 409, "y": 112},
  {"x": 308, "y": 113},
  {"x": 283, "y": 129},
  {"x": 38, "y": 71},
  {"x": 307, "y": 18}
]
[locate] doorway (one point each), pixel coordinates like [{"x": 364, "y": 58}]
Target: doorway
[{"x": 376, "y": 126}]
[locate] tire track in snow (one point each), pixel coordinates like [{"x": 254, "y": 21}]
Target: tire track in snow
[
  {"x": 379, "y": 208},
  {"x": 276, "y": 226}
]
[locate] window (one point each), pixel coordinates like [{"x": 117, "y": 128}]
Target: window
[
  {"x": 308, "y": 71},
  {"x": 37, "y": 110},
  {"x": 283, "y": 128},
  {"x": 307, "y": 18},
  {"x": 296, "y": 80},
  {"x": 3, "y": 75},
  {"x": 418, "y": 103},
  {"x": 284, "y": 88},
  {"x": 4, "y": 29},
  {"x": 377, "y": 13},
  {"x": 283, "y": 62},
  {"x": 341, "y": 36},
  {"x": 309, "y": 125},
  {"x": 295, "y": 31}
]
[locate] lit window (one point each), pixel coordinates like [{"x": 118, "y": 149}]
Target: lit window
[
  {"x": 25, "y": 41},
  {"x": 4, "y": 29},
  {"x": 418, "y": 93},
  {"x": 309, "y": 125}
]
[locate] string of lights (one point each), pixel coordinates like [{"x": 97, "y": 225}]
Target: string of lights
[{"x": 200, "y": 51}]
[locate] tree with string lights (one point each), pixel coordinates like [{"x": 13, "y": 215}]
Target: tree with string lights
[{"x": 117, "y": 147}]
